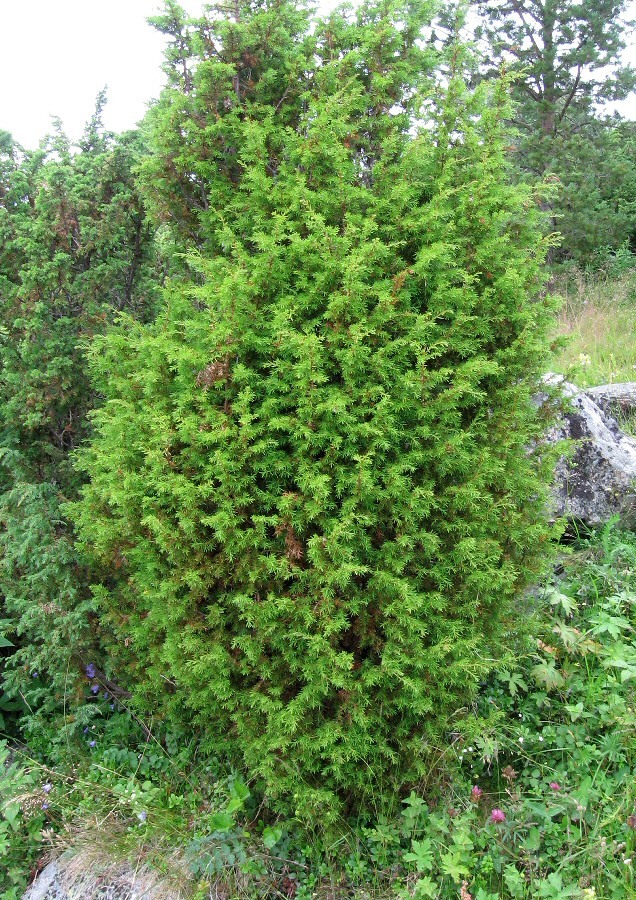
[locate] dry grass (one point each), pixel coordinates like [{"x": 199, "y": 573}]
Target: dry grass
[
  {"x": 598, "y": 322},
  {"x": 92, "y": 873},
  {"x": 98, "y": 861}
]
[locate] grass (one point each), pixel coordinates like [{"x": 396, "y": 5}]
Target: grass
[{"x": 597, "y": 325}]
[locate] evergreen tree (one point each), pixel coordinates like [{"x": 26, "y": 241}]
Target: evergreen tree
[
  {"x": 567, "y": 56},
  {"x": 313, "y": 471},
  {"x": 568, "y": 53},
  {"x": 76, "y": 251},
  {"x": 596, "y": 209},
  {"x": 223, "y": 72}
]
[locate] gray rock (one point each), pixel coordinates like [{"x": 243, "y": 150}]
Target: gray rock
[
  {"x": 47, "y": 886},
  {"x": 96, "y": 876},
  {"x": 614, "y": 396},
  {"x": 597, "y": 481}
]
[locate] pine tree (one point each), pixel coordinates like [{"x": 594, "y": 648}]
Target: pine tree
[
  {"x": 312, "y": 472},
  {"x": 567, "y": 56}
]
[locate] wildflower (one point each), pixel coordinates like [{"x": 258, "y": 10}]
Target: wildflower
[
  {"x": 45, "y": 806},
  {"x": 475, "y": 794},
  {"x": 142, "y": 816},
  {"x": 91, "y": 671},
  {"x": 509, "y": 773},
  {"x": 105, "y": 695},
  {"x": 627, "y": 862},
  {"x": 47, "y": 788},
  {"x": 465, "y": 895},
  {"x": 95, "y": 689},
  {"x": 631, "y": 821},
  {"x": 92, "y": 743},
  {"x": 86, "y": 730},
  {"x": 35, "y": 675},
  {"x": 112, "y": 706},
  {"x": 521, "y": 740},
  {"x": 555, "y": 786},
  {"x": 497, "y": 815}
]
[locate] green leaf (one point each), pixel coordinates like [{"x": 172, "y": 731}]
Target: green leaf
[
  {"x": 425, "y": 887},
  {"x": 272, "y": 836},
  {"x": 221, "y": 822},
  {"x": 421, "y": 855},
  {"x": 515, "y": 882},
  {"x": 548, "y": 675},
  {"x": 533, "y": 840},
  {"x": 454, "y": 865}
]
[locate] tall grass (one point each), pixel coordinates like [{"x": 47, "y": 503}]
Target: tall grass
[{"x": 597, "y": 323}]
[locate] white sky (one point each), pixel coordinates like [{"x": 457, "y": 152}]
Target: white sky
[{"x": 56, "y": 55}]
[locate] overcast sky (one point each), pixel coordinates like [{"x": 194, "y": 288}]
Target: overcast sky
[{"x": 56, "y": 56}]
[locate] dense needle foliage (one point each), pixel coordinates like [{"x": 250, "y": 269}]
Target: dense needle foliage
[
  {"x": 312, "y": 473},
  {"x": 76, "y": 249}
]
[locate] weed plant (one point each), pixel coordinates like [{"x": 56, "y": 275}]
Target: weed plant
[{"x": 533, "y": 795}]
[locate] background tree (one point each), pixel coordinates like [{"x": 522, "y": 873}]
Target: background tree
[
  {"x": 77, "y": 250},
  {"x": 313, "y": 470},
  {"x": 568, "y": 57}
]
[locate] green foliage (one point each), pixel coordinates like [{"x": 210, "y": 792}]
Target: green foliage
[
  {"x": 225, "y": 72},
  {"x": 21, "y": 822},
  {"x": 76, "y": 251},
  {"x": 596, "y": 210},
  {"x": 567, "y": 55},
  {"x": 312, "y": 472},
  {"x": 567, "y": 59},
  {"x": 548, "y": 749}
]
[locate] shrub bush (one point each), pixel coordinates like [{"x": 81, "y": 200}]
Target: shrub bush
[{"x": 312, "y": 473}]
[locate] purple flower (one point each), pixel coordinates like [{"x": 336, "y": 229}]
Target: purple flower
[
  {"x": 112, "y": 706},
  {"x": 45, "y": 806},
  {"x": 105, "y": 695},
  {"x": 86, "y": 730},
  {"x": 497, "y": 815},
  {"x": 475, "y": 794},
  {"x": 91, "y": 671},
  {"x": 95, "y": 689},
  {"x": 47, "y": 788},
  {"x": 92, "y": 743},
  {"x": 35, "y": 675},
  {"x": 555, "y": 786},
  {"x": 142, "y": 816}
]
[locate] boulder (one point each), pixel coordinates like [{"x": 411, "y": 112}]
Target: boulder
[
  {"x": 620, "y": 398},
  {"x": 96, "y": 874},
  {"x": 598, "y": 480}
]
